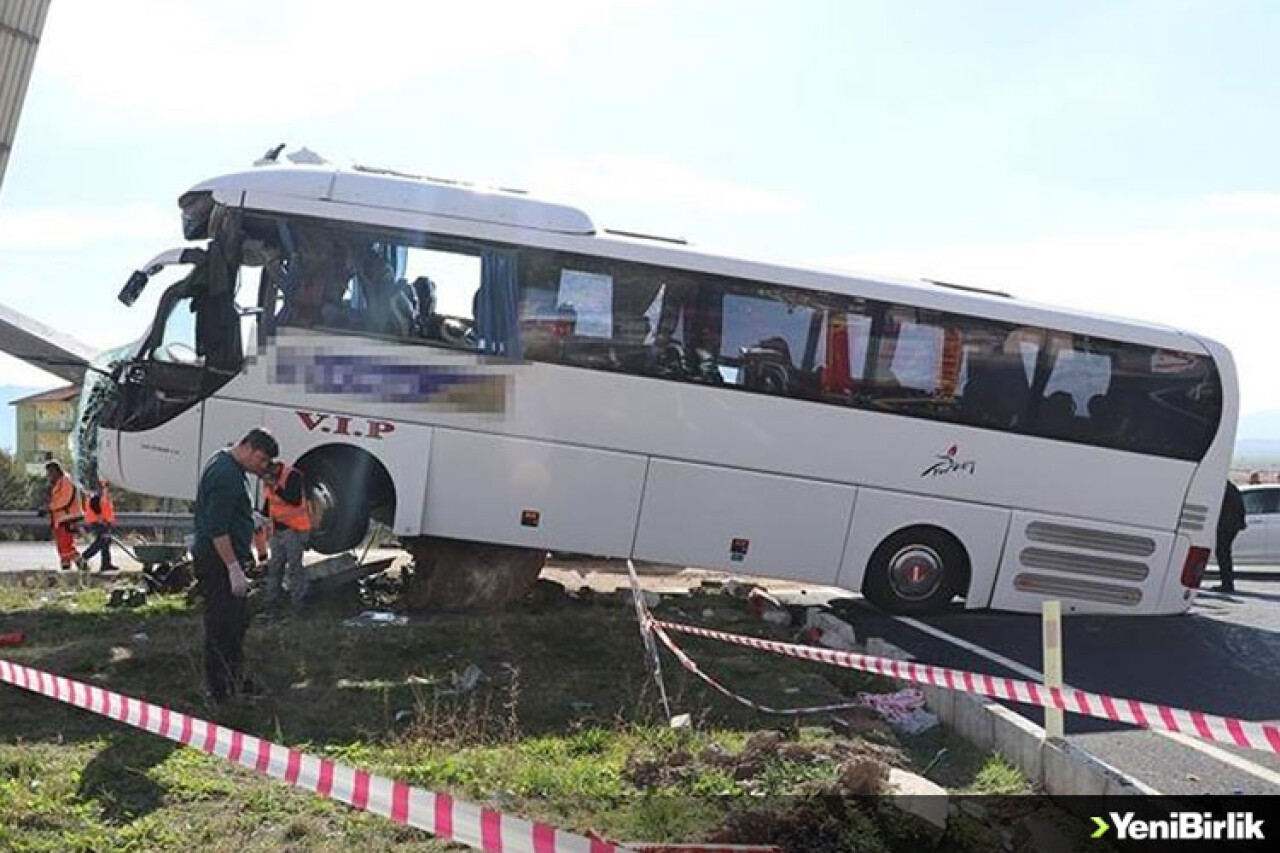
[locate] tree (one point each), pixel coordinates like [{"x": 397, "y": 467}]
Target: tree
[{"x": 13, "y": 483}]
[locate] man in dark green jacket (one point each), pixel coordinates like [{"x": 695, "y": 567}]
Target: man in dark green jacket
[{"x": 222, "y": 547}]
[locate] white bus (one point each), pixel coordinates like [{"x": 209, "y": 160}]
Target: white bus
[{"x": 495, "y": 377}]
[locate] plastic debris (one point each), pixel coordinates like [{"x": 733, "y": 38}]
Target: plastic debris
[
  {"x": 127, "y": 597},
  {"x": 761, "y": 600},
  {"x": 827, "y": 629},
  {"x": 903, "y": 710},
  {"x": 467, "y": 679},
  {"x": 12, "y": 638},
  {"x": 376, "y": 619},
  {"x": 737, "y": 588},
  {"x": 681, "y": 721},
  {"x": 767, "y": 607}
]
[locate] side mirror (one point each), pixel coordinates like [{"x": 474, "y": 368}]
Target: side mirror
[{"x": 133, "y": 288}]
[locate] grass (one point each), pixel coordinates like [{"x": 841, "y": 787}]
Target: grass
[{"x": 564, "y": 726}]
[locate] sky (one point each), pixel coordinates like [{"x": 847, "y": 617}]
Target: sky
[{"x": 1118, "y": 157}]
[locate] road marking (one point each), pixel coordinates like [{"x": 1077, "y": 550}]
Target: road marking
[{"x": 1243, "y": 764}]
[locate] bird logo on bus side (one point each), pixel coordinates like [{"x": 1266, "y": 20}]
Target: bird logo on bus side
[{"x": 948, "y": 464}]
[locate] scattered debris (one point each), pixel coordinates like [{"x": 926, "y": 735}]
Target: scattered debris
[
  {"x": 682, "y": 721},
  {"x": 737, "y": 588},
  {"x": 376, "y": 619},
  {"x": 827, "y": 629},
  {"x": 903, "y": 710},
  {"x": 12, "y": 638},
  {"x": 467, "y": 680},
  {"x": 127, "y": 597}
]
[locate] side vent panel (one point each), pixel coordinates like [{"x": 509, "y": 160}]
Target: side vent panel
[
  {"x": 1090, "y": 539},
  {"x": 1194, "y": 517},
  {"x": 1091, "y": 567}
]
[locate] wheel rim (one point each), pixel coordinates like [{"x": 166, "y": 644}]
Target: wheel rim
[
  {"x": 915, "y": 572},
  {"x": 323, "y": 504}
]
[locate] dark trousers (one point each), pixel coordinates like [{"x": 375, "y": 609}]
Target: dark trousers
[
  {"x": 101, "y": 542},
  {"x": 226, "y": 618},
  {"x": 1226, "y": 569}
]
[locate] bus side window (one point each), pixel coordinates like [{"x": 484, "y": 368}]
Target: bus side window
[{"x": 996, "y": 391}]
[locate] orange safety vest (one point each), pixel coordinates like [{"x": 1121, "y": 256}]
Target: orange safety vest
[
  {"x": 64, "y": 502},
  {"x": 293, "y": 516},
  {"x": 106, "y": 513},
  {"x": 107, "y": 506}
]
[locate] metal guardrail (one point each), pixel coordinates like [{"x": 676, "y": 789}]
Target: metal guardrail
[{"x": 124, "y": 520}]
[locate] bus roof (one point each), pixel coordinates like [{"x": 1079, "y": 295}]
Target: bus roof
[{"x": 375, "y": 196}]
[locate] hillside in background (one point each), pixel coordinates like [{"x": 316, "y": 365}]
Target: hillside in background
[{"x": 1258, "y": 440}]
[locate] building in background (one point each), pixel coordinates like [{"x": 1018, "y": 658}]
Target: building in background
[
  {"x": 21, "y": 22},
  {"x": 45, "y": 421}
]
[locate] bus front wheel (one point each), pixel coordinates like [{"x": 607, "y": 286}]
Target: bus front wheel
[
  {"x": 339, "y": 508},
  {"x": 915, "y": 572}
]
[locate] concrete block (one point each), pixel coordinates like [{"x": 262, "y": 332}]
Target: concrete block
[
  {"x": 1019, "y": 740},
  {"x": 918, "y": 796},
  {"x": 942, "y": 702},
  {"x": 974, "y": 722},
  {"x": 1067, "y": 775}
]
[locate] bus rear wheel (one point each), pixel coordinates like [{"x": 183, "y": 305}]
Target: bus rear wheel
[
  {"x": 454, "y": 574},
  {"x": 915, "y": 572}
]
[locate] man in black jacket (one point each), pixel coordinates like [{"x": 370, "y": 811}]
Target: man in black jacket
[
  {"x": 223, "y": 546},
  {"x": 1230, "y": 523}
]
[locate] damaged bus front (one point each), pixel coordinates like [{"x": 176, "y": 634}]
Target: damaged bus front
[{"x": 152, "y": 389}]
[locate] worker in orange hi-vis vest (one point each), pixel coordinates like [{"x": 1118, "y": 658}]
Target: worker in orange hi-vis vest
[
  {"x": 65, "y": 511},
  {"x": 285, "y": 497},
  {"x": 100, "y": 518}
]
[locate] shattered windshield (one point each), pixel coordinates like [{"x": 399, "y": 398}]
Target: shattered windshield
[{"x": 99, "y": 396}]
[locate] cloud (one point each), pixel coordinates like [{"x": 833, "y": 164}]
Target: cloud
[
  {"x": 241, "y": 62},
  {"x": 630, "y": 178},
  {"x": 76, "y": 227},
  {"x": 1254, "y": 203}
]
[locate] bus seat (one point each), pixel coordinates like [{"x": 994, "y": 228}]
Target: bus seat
[
  {"x": 1058, "y": 414},
  {"x": 402, "y": 312},
  {"x": 767, "y": 366}
]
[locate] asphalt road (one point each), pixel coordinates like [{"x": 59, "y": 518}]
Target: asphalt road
[
  {"x": 1221, "y": 658},
  {"x": 25, "y": 556}
]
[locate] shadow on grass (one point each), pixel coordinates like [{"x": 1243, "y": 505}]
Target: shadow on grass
[{"x": 117, "y": 777}]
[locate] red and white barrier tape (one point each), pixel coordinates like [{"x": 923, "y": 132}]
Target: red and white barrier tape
[
  {"x": 1263, "y": 736},
  {"x": 439, "y": 814},
  {"x": 689, "y": 664}
]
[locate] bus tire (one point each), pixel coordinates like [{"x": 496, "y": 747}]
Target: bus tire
[
  {"x": 340, "y": 508},
  {"x": 916, "y": 572}
]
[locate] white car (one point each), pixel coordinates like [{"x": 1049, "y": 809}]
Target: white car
[{"x": 1259, "y": 543}]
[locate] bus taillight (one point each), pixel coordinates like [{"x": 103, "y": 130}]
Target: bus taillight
[{"x": 1193, "y": 568}]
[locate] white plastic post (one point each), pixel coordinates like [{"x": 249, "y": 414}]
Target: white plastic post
[{"x": 1051, "y": 620}]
